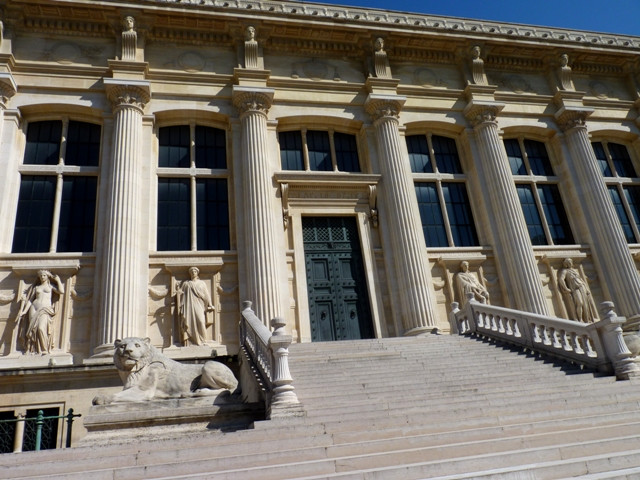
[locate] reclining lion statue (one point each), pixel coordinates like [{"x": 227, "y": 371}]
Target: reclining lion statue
[{"x": 148, "y": 374}]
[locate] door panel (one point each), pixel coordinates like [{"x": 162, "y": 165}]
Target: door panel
[{"x": 337, "y": 289}]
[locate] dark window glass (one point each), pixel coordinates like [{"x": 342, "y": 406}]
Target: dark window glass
[
  {"x": 516, "y": 160},
  {"x": 174, "y": 217},
  {"x": 48, "y": 434},
  {"x": 83, "y": 144},
  {"x": 174, "y": 147},
  {"x": 622, "y": 214},
  {"x": 346, "y": 152},
  {"x": 621, "y": 161},
  {"x": 319, "y": 151},
  {"x": 35, "y": 214},
  {"x": 538, "y": 158},
  {"x": 601, "y": 156},
  {"x": 7, "y": 431},
  {"x": 632, "y": 194},
  {"x": 459, "y": 212},
  {"x": 211, "y": 148},
  {"x": 419, "y": 154},
  {"x": 43, "y": 143},
  {"x": 531, "y": 215},
  {"x": 446, "y": 154},
  {"x": 77, "y": 214},
  {"x": 431, "y": 215},
  {"x": 212, "y": 214},
  {"x": 291, "y": 156},
  {"x": 555, "y": 215}
]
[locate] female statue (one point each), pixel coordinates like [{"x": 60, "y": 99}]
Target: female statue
[
  {"x": 466, "y": 282},
  {"x": 39, "y": 310},
  {"x": 574, "y": 288},
  {"x": 194, "y": 301}
]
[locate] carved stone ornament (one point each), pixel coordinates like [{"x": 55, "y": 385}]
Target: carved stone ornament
[
  {"x": 6, "y": 92},
  {"x": 129, "y": 39},
  {"x": 468, "y": 286},
  {"x": 477, "y": 67},
  {"x": 480, "y": 114},
  {"x": 193, "y": 302},
  {"x": 252, "y": 101},
  {"x": 576, "y": 294},
  {"x": 570, "y": 119},
  {"x": 128, "y": 96},
  {"x": 250, "y": 48},
  {"x": 383, "y": 108},
  {"x": 380, "y": 60},
  {"x": 566, "y": 82}
]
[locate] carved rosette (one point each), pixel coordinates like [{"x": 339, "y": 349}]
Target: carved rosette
[
  {"x": 252, "y": 102},
  {"x": 571, "y": 119},
  {"x": 483, "y": 114},
  {"x": 122, "y": 96},
  {"x": 384, "y": 109}
]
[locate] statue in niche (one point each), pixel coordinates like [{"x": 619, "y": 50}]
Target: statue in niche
[
  {"x": 194, "y": 302},
  {"x": 38, "y": 311},
  {"x": 129, "y": 39},
  {"x": 566, "y": 83},
  {"x": 466, "y": 282},
  {"x": 477, "y": 67},
  {"x": 251, "y": 53},
  {"x": 576, "y": 292},
  {"x": 380, "y": 60}
]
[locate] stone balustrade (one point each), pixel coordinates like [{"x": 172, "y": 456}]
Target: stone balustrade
[
  {"x": 268, "y": 353},
  {"x": 598, "y": 345}
]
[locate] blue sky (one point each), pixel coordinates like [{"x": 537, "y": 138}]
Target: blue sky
[{"x": 612, "y": 16}]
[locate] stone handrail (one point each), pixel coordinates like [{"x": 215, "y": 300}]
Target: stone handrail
[
  {"x": 597, "y": 345},
  {"x": 269, "y": 354}
]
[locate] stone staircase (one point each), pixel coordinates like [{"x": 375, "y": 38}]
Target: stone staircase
[{"x": 436, "y": 407}]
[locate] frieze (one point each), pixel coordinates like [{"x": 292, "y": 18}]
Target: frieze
[
  {"x": 66, "y": 53},
  {"x": 428, "y": 22},
  {"x": 314, "y": 69}
]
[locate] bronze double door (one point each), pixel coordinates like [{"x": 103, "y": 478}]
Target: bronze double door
[{"x": 339, "y": 306}]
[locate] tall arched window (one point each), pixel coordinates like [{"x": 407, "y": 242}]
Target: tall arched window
[
  {"x": 538, "y": 192},
  {"x": 58, "y": 187},
  {"x": 440, "y": 187},
  {"x": 193, "y": 201},
  {"x": 623, "y": 185}
]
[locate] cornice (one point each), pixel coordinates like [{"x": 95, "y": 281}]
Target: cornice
[{"x": 317, "y": 12}]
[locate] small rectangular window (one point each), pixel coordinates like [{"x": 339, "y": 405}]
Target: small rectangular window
[
  {"x": 319, "y": 151},
  {"x": 514, "y": 154},
  {"x": 211, "y": 148},
  {"x": 83, "y": 144},
  {"x": 77, "y": 214},
  {"x": 622, "y": 214},
  {"x": 446, "y": 154},
  {"x": 291, "y": 155},
  {"x": 419, "y": 154},
  {"x": 346, "y": 152},
  {"x": 433, "y": 228},
  {"x": 35, "y": 214},
  {"x": 174, "y": 143},
  {"x": 43, "y": 143},
  {"x": 555, "y": 215},
  {"x": 456, "y": 200},
  {"x": 212, "y": 214},
  {"x": 174, "y": 218}
]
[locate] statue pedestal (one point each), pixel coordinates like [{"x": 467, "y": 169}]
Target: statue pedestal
[
  {"x": 22, "y": 361},
  {"x": 133, "y": 421}
]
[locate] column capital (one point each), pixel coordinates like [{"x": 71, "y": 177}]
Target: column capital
[
  {"x": 252, "y": 99},
  {"x": 8, "y": 87},
  {"x": 480, "y": 112},
  {"x": 384, "y": 106},
  {"x": 133, "y": 93},
  {"x": 568, "y": 118}
]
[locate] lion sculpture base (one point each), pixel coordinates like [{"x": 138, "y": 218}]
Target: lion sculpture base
[{"x": 147, "y": 374}]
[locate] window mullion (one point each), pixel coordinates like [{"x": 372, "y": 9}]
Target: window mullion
[
  {"x": 305, "y": 150},
  {"x": 610, "y": 161},
  {"x": 332, "y": 150},
  {"x": 543, "y": 218},
  {"x": 445, "y": 214},
  {"x": 192, "y": 189},
  {"x": 525, "y": 156},
  {"x": 56, "y": 214}
]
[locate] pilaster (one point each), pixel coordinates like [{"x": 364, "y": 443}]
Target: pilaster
[
  {"x": 512, "y": 242},
  {"x": 609, "y": 247},
  {"x": 263, "y": 245},
  {"x": 417, "y": 305},
  {"x": 125, "y": 257}
]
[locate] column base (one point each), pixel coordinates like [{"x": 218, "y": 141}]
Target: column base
[{"x": 420, "y": 331}]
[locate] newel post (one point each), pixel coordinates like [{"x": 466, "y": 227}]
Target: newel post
[
  {"x": 283, "y": 391},
  {"x": 610, "y": 328}
]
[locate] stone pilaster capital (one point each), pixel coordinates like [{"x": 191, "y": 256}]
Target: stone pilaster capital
[
  {"x": 384, "y": 106},
  {"x": 252, "y": 99},
  {"x": 568, "y": 118},
  {"x": 128, "y": 93},
  {"x": 479, "y": 113},
  {"x": 8, "y": 87}
]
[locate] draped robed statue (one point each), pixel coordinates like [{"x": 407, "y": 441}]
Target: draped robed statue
[{"x": 194, "y": 302}]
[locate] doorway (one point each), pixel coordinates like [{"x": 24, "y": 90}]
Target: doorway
[{"x": 338, "y": 300}]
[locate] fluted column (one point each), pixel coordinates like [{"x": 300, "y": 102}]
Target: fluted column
[
  {"x": 513, "y": 246},
  {"x": 123, "y": 305},
  {"x": 407, "y": 240},
  {"x": 9, "y": 160},
  {"x": 609, "y": 247},
  {"x": 261, "y": 242}
]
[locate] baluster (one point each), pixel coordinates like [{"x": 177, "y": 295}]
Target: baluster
[
  {"x": 589, "y": 346},
  {"x": 577, "y": 343},
  {"x": 555, "y": 338},
  {"x": 546, "y": 339},
  {"x": 515, "y": 328},
  {"x": 501, "y": 328},
  {"x": 508, "y": 324},
  {"x": 283, "y": 389},
  {"x": 536, "y": 333}
]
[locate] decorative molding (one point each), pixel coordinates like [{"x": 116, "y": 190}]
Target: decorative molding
[
  {"x": 125, "y": 94},
  {"x": 380, "y": 106},
  {"x": 129, "y": 39},
  {"x": 569, "y": 118},
  {"x": 478, "y": 113},
  {"x": 248, "y": 99}
]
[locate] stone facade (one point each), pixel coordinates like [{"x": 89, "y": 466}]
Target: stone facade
[{"x": 205, "y": 134}]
